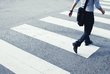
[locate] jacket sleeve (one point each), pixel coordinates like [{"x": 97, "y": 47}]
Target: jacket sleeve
[
  {"x": 97, "y": 4},
  {"x": 76, "y": 1}
]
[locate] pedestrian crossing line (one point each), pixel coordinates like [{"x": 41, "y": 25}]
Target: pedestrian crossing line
[
  {"x": 106, "y": 7},
  {"x": 21, "y": 62},
  {"x": 106, "y": 3},
  {"x": 106, "y": 13},
  {"x": 98, "y": 19},
  {"x": 106, "y": 0},
  {"x": 96, "y": 11},
  {"x": 70, "y": 24},
  {"x": 55, "y": 39},
  {"x": 15, "y": 66}
]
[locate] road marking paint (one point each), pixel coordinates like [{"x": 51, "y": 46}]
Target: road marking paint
[
  {"x": 98, "y": 19},
  {"x": 106, "y": 0},
  {"x": 21, "y": 62},
  {"x": 70, "y": 24},
  {"x": 106, "y": 7},
  {"x": 55, "y": 39},
  {"x": 96, "y": 11},
  {"x": 106, "y": 3}
]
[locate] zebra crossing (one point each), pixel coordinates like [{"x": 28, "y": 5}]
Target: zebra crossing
[
  {"x": 96, "y": 31},
  {"x": 98, "y": 19},
  {"x": 21, "y": 62},
  {"x": 106, "y": 3},
  {"x": 96, "y": 11},
  {"x": 54, "y": 39},
  {"x": 17, "y": 60}
]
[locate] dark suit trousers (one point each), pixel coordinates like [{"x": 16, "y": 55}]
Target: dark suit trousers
[{"x": 88, "y": 26}]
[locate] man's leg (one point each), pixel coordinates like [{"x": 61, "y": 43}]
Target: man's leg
[
  {"x": 88, "y": 27},
  {"x": 79, "y": 41}
]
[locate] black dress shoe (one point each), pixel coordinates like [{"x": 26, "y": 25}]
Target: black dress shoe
[
  {"x": 88, "y": 43},
  {"x": 75, "y": 47}
]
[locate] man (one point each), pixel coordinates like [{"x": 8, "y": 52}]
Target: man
[{"x": 89, "y": 21}]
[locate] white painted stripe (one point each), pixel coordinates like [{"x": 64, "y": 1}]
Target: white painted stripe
[
  {"x": 98, "y": 19},
  {"x": 70, "y": 24},
  {"x": 21, "y": 62},
  {"x": 106, "y": 3},
  {"x": 55, "y": 39},
  {"x": 106, "y": 12},
  {"x": 106, "y": 0},
  {"x": 106, "y": 7},
  {"x": 96, "y": 11},
  {"x": 15, "y": 66}
]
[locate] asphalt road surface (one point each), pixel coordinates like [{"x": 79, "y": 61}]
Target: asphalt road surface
[{"x": 36, "y": 38}]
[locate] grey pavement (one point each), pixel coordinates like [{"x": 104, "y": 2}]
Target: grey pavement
[{"x": 16, "y": 12}]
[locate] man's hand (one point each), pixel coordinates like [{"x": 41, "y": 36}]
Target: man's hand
[
  {"x": 103, "y": 11},
  {"x": 70, "y": 13}
]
